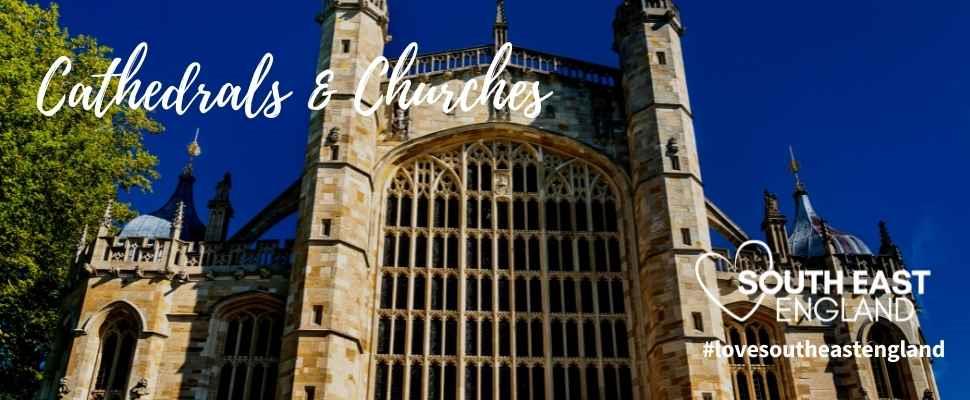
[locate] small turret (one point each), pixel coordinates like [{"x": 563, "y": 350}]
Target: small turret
[{"x": 157, "y": 224}]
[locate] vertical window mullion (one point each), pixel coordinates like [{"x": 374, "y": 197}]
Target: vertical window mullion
[{"x": 119, "y": 343}]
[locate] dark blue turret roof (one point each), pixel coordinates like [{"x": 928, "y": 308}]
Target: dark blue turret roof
[
  {"x": 158, "y": 225},
  {"x": 807, "y": 237}
]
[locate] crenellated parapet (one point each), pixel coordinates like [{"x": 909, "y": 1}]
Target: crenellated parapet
[
  {"x": 149, "y": 257},
  {"x": 525, "y": 60},
  {"x": 748, "y": 260}
]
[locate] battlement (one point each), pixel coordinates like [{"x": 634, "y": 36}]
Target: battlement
[
  {"x": 849, "y": 263},
  {"x": 664, "y": 4},
  {"x": 475, "y": 58},
  {"x": 147, "y": 255}
]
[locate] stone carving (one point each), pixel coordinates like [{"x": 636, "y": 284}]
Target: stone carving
[
  {"x": 673, "y": 148},
  {"x": 771, "y": 204},
  {"x": 64, "y": 388},
  {"x": 401, "y": 123},
  {"x": 106, "y": 220},
  {"x": 181, "y": 277},
  {"x": 333, "y": 138},
  {"x": 503, "y": 182},
  {"x": 140, "y": 390}
]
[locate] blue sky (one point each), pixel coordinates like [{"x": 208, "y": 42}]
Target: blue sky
[{"x": 871, "y": 93}]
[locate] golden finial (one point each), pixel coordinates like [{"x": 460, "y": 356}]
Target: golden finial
[
  {"x": 795, "y": 168},
  {"x": 194, "y": 149}
]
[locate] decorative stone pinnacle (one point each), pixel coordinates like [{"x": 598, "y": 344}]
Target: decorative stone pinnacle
[
  {"x": 827, "y": 240},
  {"x": 179, "y": 219},
  {"x": 771, "y": 205},
  {"x": 501, "y": 28},
  {"x": 886, "y": 244},
  {"x": 105, "y": 225},
  {"x": 106, "y": 218},
  {"x": 884, "y": 233}
]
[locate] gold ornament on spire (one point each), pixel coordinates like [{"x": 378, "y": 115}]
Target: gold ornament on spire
[
  {"x": 193, "y": 148},
  {"x": 795, "y": 168}
]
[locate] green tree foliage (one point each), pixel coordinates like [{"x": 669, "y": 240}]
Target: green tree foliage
[{"x": 56, "y": 176}]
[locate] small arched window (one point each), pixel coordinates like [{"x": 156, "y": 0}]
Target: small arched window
[
  {"x": 250, "y": 355},
  {"x": 119, "y": 338},
  {"x": 755, "y": 377},
  {"x": 890, "y": 377}
]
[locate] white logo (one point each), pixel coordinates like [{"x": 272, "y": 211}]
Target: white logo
[
  {"x": 824, "y": 290},
  {"x": 715, "y": 296}
]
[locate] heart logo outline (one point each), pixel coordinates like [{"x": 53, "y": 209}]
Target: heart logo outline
[{"x": 716, "y": 299}]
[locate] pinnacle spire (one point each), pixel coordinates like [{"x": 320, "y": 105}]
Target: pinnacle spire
[
  {"x": 886, "y": 244},
  {"x": 500, "y": 12},
  {"x": 501, "y": 27}
]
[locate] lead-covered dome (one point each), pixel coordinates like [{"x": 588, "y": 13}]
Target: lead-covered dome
[
  {"x": 158, "y": 224},
  {"x": 808, "y": 236}
]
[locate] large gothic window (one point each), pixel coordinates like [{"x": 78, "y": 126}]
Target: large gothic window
[
  {"x": 250, "y": 355},
  {"x": 119, "y": 337},
  {"x": 755, "y": 378},
  {"x": 502, "y": 277},
  {"x": 890, "y": 377}
]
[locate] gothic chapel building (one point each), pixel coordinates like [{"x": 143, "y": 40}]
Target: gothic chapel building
[{"x": 470, "y": 255}]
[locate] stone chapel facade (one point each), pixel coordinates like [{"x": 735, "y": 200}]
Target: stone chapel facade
[{"x": 472, "y": 255}]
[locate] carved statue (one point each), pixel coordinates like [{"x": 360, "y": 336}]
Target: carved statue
[
  {"x": 64, "y": 388},
  {"x": 771, "y": 203},
  {"x": 503, "y": 183},
  {"x": 333, "y": 138},
  {"x": 673, "y": 148},
  {"x": 181, "y": 277},
  {"x": 140, "y": 390},
  {"x": 401, "y": 123}
]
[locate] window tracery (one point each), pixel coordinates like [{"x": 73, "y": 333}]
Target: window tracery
[
  {"x": 249, "y": 357},
  {"x": 889, "y": 377},
  {"x": 755, "y": 378},
  {"x": 501, "y": 272},
  {"x": 119, "y": 339}
]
